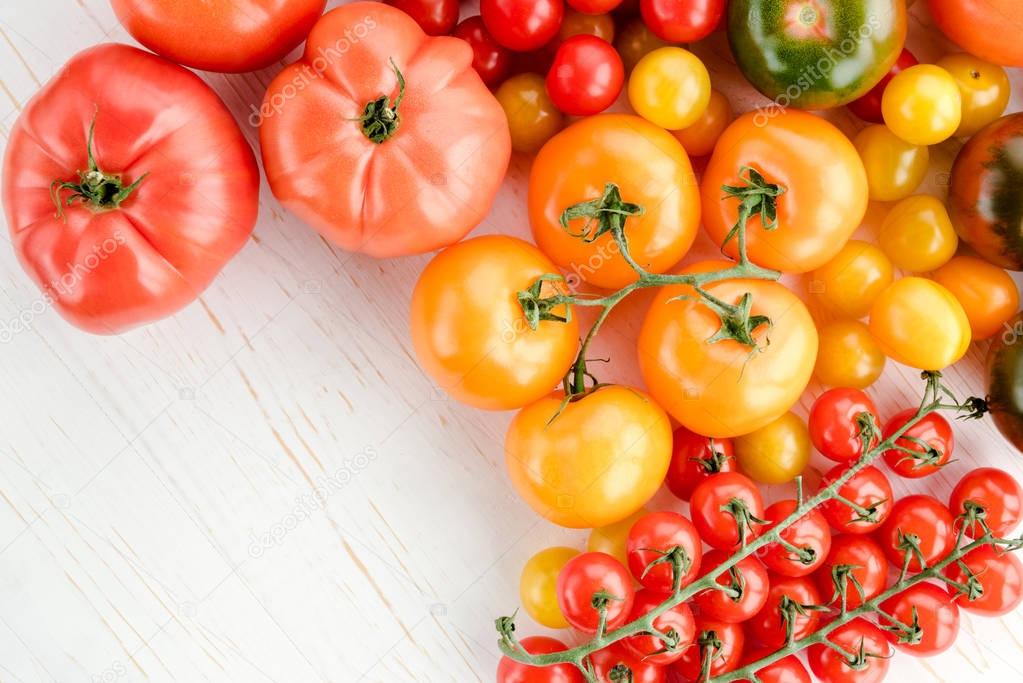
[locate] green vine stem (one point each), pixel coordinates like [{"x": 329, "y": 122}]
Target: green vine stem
[{"x": 936, "y": 397}]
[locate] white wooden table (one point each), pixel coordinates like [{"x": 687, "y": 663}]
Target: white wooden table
[{"x": 266, "y": 487}]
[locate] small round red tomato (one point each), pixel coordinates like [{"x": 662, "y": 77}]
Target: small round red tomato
[
  {"x": 749, "y": 585},
  {"x": 920, "y": 526},
  {"x": 586, "y": 77},
  {"x": 682, "y": 21},
  {"x": 677, "y": 622},
  {"x": 718, "y": 641},
  {"x": 852, "y": 560},
  {"x": 510, "y": 671},
  {"x": 864, "y": 642},
  {"x": 785, "y": 670},
  {"x": 490, "y": 59},
  {"x": 833, "y": 422},
  {"x": 928, "y": 444},
  {"x": 589, "y": 579},
  {"x": 435, "y": 17},
  {"x": 694, "y": 458},
  {"x": 651, "y": 537},
  {"x": 996, "y": 492},
  {"x": 787, "y": 602},
  {"x": 999, "y": 575},
  {"x": 523, "y": 25},
  {"x": 804, "y": 544},
  {"x": 935, "y": 614},
  {"x": 869, "y": 489},
  {"x": 594, "y": 6},
  {"x": 868, "y": 107},
  {"x": 610, "y": 663},
  {"x": 724, "y": 509}
]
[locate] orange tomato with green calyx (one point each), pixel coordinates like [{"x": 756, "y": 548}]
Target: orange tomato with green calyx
[
  {"x": 651, "y": 173},
  {"x": 594, "y": 463},
  {"x": 723, "y": 388},
  {"x": 825, "y": 185}
]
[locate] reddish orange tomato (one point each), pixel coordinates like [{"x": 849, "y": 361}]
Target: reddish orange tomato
[
  {"x": 220, "y": 35},
  {"x": 987, "y": 293},
  {"x": 700, "y": 138},
  {"x": 649, "y": 167},
  {"x": 722, "y": 389},
  {"x": 985, "y": 28},
  {"x": 374, "y": 167},
  {"x": 825, "y": 185}
]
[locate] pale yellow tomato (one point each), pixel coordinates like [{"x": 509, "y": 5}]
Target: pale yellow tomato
[
  {"x": 922, "y": 105},
  {"x": 670, "y": 87},
  {"x": 611, "y": 539},
  {"x": 700, "y": 137},
  {"x": 777, "y": 452},
  {"x": 849, "y": 356},
  {"x": 538, "y": 585},
  {"x": 849, "y": 283},
  {"x": 917, "y": 234},
  {"x": 895, "y": 168},
  {"x": 919, "y": 323},
  {"x": 984, "y": 87}
]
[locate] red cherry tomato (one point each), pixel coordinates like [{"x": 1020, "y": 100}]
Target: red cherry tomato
[
  {"x": 435, "y": 17},
  {"x": 694, "y": 458},
  {"x": 510, "y": 671},
  {"x": 682, "y": 21},
  {"x": 523, "y": 25},
  {"x": 720, "y": 641},
  {"x": 605, "y": 662},
  {"x": 748, "y": 578},
  {"x": 869, "y": 489},
  {"x": 859, "y": 558},
  {"x": 490, "y": 59},
  {"x": 715, "y": 505},
  {"x": 586, "y": 77},
  {"x": 999, "y": 575},
  {"x": 930, "y": 439},
  {"x": 922, "y": 520},
  {"x": 858, "y": 635},
  {"x": 787, "y": 598},
  {"x": 785, "y": 670},
  {"x": 678, "y": 619},
  {"x": 594, "y": 6},
  {"x": 996, "y": 492},
  {"x": 935, "y": 612},
  {"x": 808, "y": 541},
  {"x": 584, "y": 576},
  {"x": 868, "y": 107},
  {"x": 655, "y": 534},
  {"x": 833, "y": 425}
]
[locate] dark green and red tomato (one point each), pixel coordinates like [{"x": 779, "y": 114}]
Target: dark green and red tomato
[
  {"x": 1005, "y": 381},
  {"x": 816, "y": 54}
]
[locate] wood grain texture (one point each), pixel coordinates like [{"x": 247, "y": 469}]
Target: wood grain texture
[{"x": 266, "y": 488}]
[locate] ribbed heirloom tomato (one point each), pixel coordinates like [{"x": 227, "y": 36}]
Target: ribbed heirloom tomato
[
  {"x": 157, "y": 188},
  {"x": 382, "y": 138}
]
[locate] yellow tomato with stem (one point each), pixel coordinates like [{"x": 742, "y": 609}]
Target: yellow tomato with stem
[
  {"x": 987, "y": 293},
  {"x": 849, "y": 357},
  {"x": 532, "y": 117},
  {"x": 983, "y": 86},
  {"x": 917, "y": 234},
  {"x": 635, "y": 41},
  {"x": 611, "y": 539},
  {"x": 777, "y": 452},
  {"x": 919, "y": 323},
  {"x": 895, "y": 168},
  {"x": 538, "y": 585},
  {"x": 922, "y": 105},
  {"x": 670, "y": 87},
  {"x": 594, "y": 463},
  {"x": 849, "y": 283},
  {"x": 700, "y": 137}
]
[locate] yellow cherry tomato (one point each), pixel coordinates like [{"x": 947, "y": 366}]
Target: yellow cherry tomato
[
  {"x": 532, "y": 117},
  {"x": 670, "y": 87},
  {"x": 849, "y": 283},
  {"x": 922, "y": 105},
  {"x": 538, "y": 585},
  {"x": 579, "y": 24},
  {"x": 895, "y": 168},
  {"x": 987, "y": 293},
  {"x": 849, "y": 357},
  {"x": 635, "y": 41},
  {"x": 611, "y": 539},
  {"x": 917, "y": 234},
  {"x": 777, "y": 452},
  {"x": 919, "y": 323},
  {"x": 984, "y": 88},
  {"x": 700, "y": 137}
]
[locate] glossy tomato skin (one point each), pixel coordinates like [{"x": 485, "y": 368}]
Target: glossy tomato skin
[
  {"x": 723, "y": 660},
  {"x": 613, "y": 538},
  {"x": 768, "y": 628},
  {"x": 989, "y": 296},
  {"x": 678, "y": 619},
  {"x": 925, "y": 518},
  {"x": 658, "y": 533},
  {"x": 717, "y": 527},
  {"x": 933, "y": 430},
  {"x": 720, "y": 389},
  {"x": 510, "y": 671},
  {"x": 604, "y": 663},
  {"x": 1004, "y": 368},
  {"x": 833, "y": 423},
  {"x": 435, "y": 17},
  {"x": 936, "y": 613},
  {"x": 867, "y": 564},
  {"x": 538, "y": 585},
  {"x": 776, "y": 453},
  {"x": 919, "y": 323},
  {"x": 994, "y": 490},
  {"x": 810, "y": 533},
  {"x": 682, "y": 21},
  {"x": 701, "y": 137},
  {"x": 490, "y": 59},
  {"x": 831, "y": 667},
  {"x": 523, "y": 25},
  {"x": 749, "y": 573},
  {"x": 869, "y": 488},
  {"x": 985, "y": 28},
  {"x": 984, "y": 205},
  {"x": 422, "y": 188},
  {"x": 868, "y": 107},
  {"x": 586, "y": 77},
  {"x": 849, "y": 283},
  {"x": 532, "y": 117},
  {"x": 464, "y": 308},
  {"x": 826, "y": 188},
  {"x": 786, "y": 670},
  {"x": 634, "y": 41},
  {"x": 848, "y": 356},
  {"x": 778, "y": 46},
  {"x": 584, "y": 576},
  {"x": 1000, "y": 574},
  {"x": 108, "y": 270},
  {"x": 649, "y": 167},
  {"x": 594, "y": 6},
  {"x": 220, "y": 35},
  {"x": 695, "y": 458},
  {"x": 602, "y": 458},
  {"x": 984, "y": 87}
]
